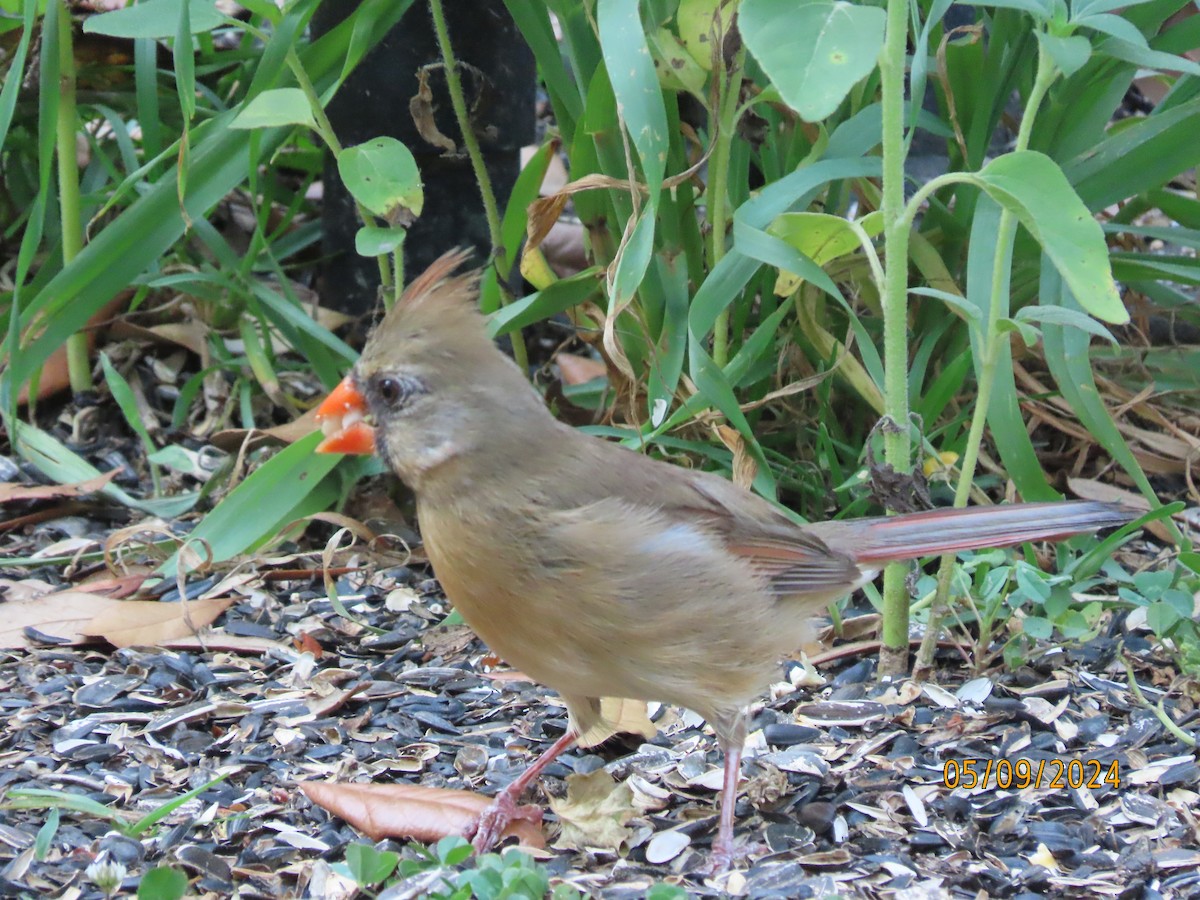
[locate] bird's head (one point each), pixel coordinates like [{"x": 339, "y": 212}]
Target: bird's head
[{"x": 430, "y": 386}]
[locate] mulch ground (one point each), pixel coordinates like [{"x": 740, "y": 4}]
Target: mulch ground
[{"x": 851, "y": 788}]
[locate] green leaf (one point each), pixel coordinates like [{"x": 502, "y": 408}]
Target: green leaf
[
  {"x": 272, "y": 496},
  {"x": 1029, "y": 334},
  {"x": 1033, "y": 188},
  {"x": 956, "y": 302},
  {"x": 383, "y": 176},
  {"x": 1037, "y": 627},
  {"x": 635, "y": 84},
  {"x": 1161, "y": 617},
  {"x": 66, "y": 467},
  {"x": 1042, "y": 10},
  {"x": 372, "y": 240},
  {"x": 1068, "y": 53},
  {"x": 814, "y": 51},
  {"x": 162, "y": 883},
  {"x": 1066, "y": 354},
  {"x": 1141, "y": 55},
  {"x": 276, "y": 108},
  {"x": 369, "y": 866},
  {"x": 157, "y": 19},
  {"x": 1071, "y": 318},
  {"x": 561, "y": 295},
  {"x": 45, "y": 836},
  {"x": 1144, "y": 155}
]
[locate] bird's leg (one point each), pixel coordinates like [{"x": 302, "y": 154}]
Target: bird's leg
[
  {"x": 504, "y": 809},
  {"x": 731, "y": 735},
  {"x": 722, "y": 848}
]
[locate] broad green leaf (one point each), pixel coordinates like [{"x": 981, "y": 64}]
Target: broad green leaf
[
  {"x": 1144, "y": 155},
  {"x": 1071, "y": 318},
  {"x": 821, "y": 237},
  {"x": 1042, "y": 10},
  {"x": 814, "y": 51},
  {"x": 276, "y": 108},
  {"x": 1067, "y": 357},
  {"x": 370, "y": 866},
  {"x": 1142, "y": 55},
  {"x": 383, "y": 176},
  {"x": 677, "y": 71},
  {"x": 695, "y": 22},
  {"x": 371, "y": 240},
  {"x": 267, "y": 500},
  {"x": 158, "y": 19},
  {"x": 1092, "y": 7},
  {"x": 561, "y": 295},
  {"x": 1034, "y": 189},
  {"x": 1068, "y": 53}
]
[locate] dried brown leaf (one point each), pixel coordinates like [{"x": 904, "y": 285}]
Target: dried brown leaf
[
  {"x": 13, "y": 491},
  {"x": 148, "y": 623},
  {"x": 231, "y": 439},
  {"x": 61, "y": 615},
  {"x": 412, "y": 811},
  {"x": 595, "y": 812},
  {"x": 579, "y": 369}
]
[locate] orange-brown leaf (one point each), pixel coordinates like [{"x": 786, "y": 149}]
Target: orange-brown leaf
[{"x": 411, "y": 811}]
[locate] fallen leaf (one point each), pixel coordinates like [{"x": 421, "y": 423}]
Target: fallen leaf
[
  {"x": 579, "y": 369},
  {"x": 595, "y": 812},
  {"x": 60, "y": 615},
  {"x": 13, "y": 491},
  {"x": 619, "y": 716},
  {"x": 412, "y": 811},
  {"x": 231, "y": 439},
  {"x": 147, "y": 623}
]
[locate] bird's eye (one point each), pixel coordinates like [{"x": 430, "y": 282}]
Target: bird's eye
[{"x": 391, "y": 390}]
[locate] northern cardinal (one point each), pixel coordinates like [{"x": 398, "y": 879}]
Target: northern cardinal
[{"x": 597, "y": 570}]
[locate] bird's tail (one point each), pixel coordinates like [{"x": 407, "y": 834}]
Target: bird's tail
[{"x": 886, "y": 539}]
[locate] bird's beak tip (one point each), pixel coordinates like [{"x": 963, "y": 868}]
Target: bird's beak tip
[{"x": 340, "y": 416}]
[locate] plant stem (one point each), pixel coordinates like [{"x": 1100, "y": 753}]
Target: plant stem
[
  {"x": 390, "y": 287},
  {"x": 491, "y": 208},
  {"x": 79, "y": 369},
  {"x": 991, "y": 343},
  {"x": 728, "y": 91},
  {"x": 897, "y": 449}
]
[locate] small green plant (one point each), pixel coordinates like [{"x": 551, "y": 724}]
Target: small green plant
[
  {"x": 449, "y": 871},
  {"x": 126, "y": 824},
  {"x": 162, "y": 883}
]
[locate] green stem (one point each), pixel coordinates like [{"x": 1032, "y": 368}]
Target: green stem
[
  {"x": 491, "y": 208},
  {"x": 79, "y": 368},
  {"x": 718, "y": 190},
  {"x": 992, "y": 345},
  {"x": 897, "y": 444},
  {"x": 389, "y": 287}
]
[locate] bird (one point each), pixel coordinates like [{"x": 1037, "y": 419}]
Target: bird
[{"x": 600, "y": 571}]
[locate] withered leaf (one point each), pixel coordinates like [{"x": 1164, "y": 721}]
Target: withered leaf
[{"x": 413, "y": 811}]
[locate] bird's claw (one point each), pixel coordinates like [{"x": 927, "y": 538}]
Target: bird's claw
[{"x": 489, "y": 829}]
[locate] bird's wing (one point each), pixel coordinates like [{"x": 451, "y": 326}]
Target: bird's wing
[{"x": 793, "y": 560}]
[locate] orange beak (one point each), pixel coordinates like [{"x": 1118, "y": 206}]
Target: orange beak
[{"x": 341, "y": 417}]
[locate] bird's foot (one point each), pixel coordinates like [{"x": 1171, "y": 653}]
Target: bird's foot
[
  {"x": 724, "y": 855},
  {"x": 489, "y": 829}
]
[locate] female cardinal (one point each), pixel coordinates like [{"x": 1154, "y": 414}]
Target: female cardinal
[{"x": 596, "y": 570}]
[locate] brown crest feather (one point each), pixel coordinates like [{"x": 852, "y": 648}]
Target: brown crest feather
[{"x": 439, "y": 280}]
